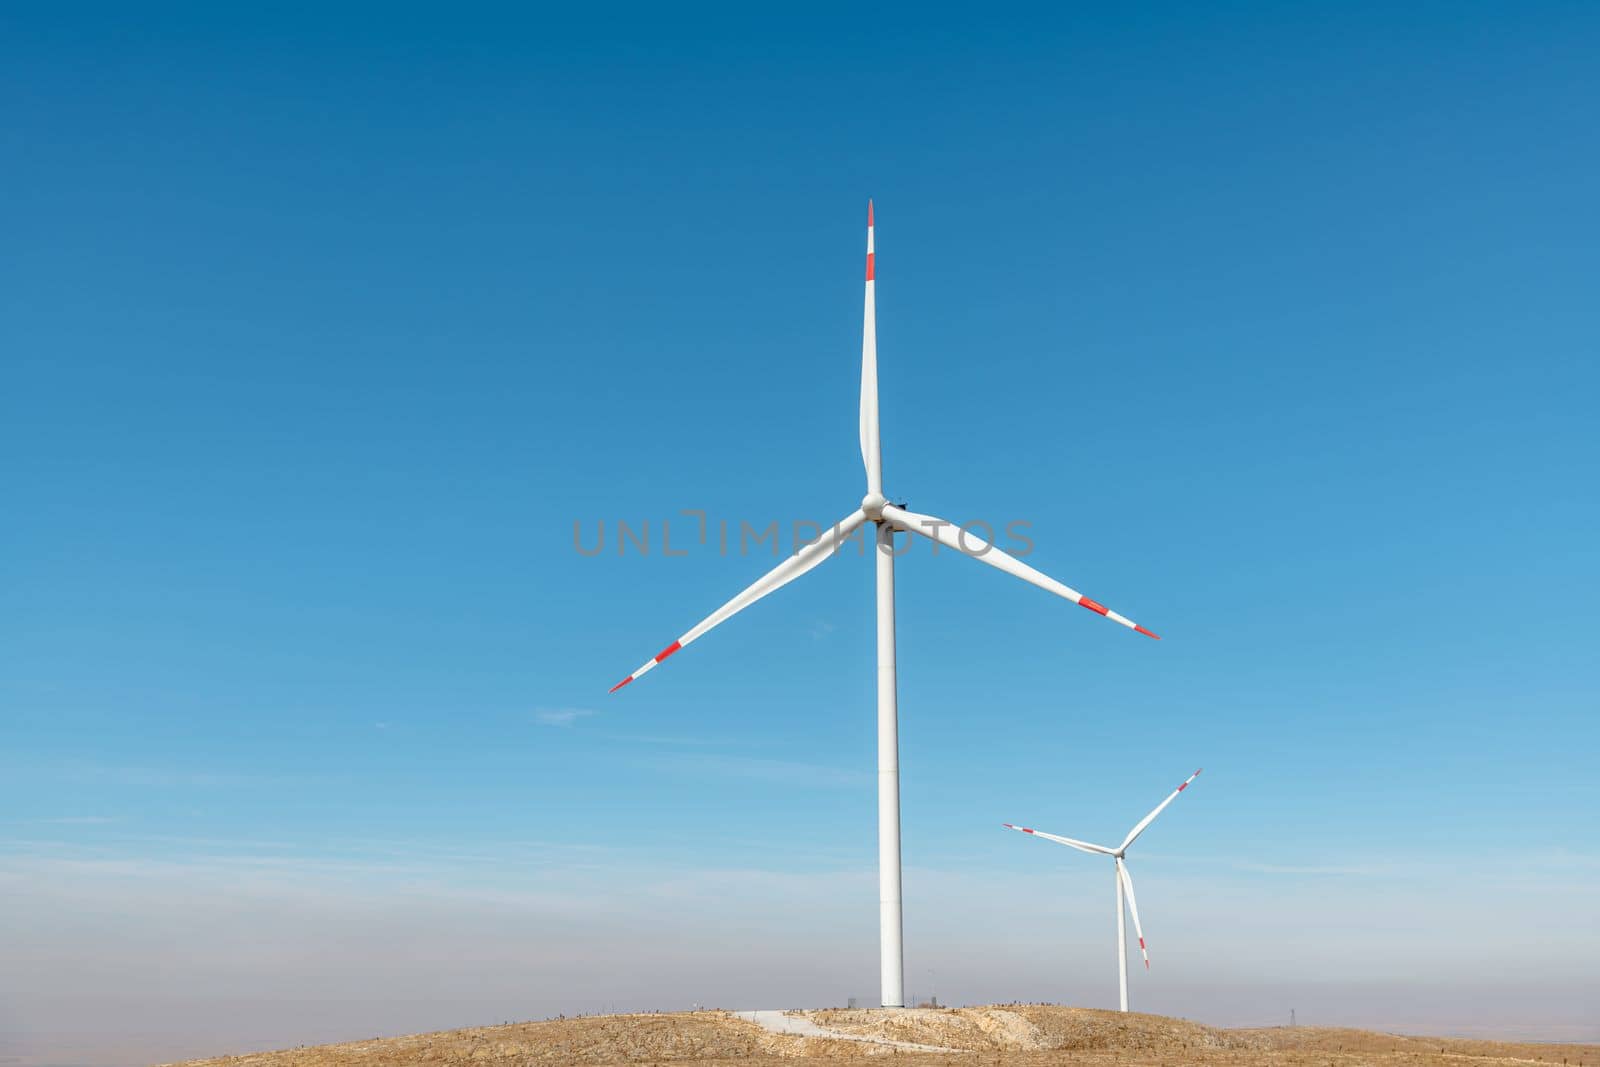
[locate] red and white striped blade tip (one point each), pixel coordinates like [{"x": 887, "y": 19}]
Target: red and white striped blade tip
[
  {"x": 1100, "y": 609},
  {"x": 1189, "y": 779},
  {"x": 869, "y": 214},
  {"x": 659, "y": 656}
]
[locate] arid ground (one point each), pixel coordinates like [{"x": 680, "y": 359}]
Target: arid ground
[{"x": 1020, "y": 1035}]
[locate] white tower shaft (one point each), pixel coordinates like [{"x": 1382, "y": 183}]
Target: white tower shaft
[
  {"x": 892, "y": 954},
  {"x": 1122, "y": 944}
]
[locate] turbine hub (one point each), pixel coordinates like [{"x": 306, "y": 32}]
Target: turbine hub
[{"x": 872, "y": 505}]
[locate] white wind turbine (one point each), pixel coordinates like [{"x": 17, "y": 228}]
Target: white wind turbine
[
  {"x": 888, "y": 519},
  {"x": 1124, "y": 881}
]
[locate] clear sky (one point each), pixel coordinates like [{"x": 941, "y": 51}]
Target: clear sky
[{"x": 319, "y": 330}]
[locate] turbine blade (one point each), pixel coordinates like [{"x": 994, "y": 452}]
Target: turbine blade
[
  {"x": 1148, "y": 819},
  {"x": 971, "y": 544},
  {"x": 784, "y": 573},
  {"x": 1081, "y": 846},
  {"x": 871, "y": 452},
  {"x": 1133, "y": 908}
]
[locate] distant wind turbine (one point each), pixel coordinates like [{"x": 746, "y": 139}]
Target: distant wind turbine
[
  {"x": 1124, "y": 881},
  {"x": 889, "y": 519}
]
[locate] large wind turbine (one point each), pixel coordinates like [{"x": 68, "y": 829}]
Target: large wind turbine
[
  {"x": 888, "y": 519},
  {"x": 1124, "y": 881}
]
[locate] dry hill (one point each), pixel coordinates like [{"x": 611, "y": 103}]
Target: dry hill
[{"x": 1006, "y": 1035}]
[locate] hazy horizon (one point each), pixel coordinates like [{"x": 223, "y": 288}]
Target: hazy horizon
[{"x": 217, "y": 953}]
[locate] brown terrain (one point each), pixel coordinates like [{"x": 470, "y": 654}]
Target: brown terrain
[{"x": 1008, "y": 1035}]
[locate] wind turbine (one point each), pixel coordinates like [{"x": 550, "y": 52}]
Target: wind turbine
[
  {"x": 1124, "y": 881},
  {"x": 888, "y": 519}
]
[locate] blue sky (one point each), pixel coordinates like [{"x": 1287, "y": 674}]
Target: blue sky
[{"x": 321, "y": 331}]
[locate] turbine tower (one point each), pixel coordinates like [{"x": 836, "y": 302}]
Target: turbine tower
[
  {"x": 888, "y": 520},
  {"x": 1124, "y": 881}
]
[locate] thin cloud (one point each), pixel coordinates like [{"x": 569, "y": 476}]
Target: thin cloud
[
  {"x": 154, "y": 777},
  {"x": 561, "y": 716},
  {"x": 1309, "y": 869},
  {"x": 785, "y": 772},
  {"x": 667, "y": 739}
]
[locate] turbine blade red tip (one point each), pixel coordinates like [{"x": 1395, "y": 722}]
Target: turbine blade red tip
[
  {"x": 869, "y": 212},
  {"x": 1147, "y": 633},
  {"x": 620, "y": 684}
]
